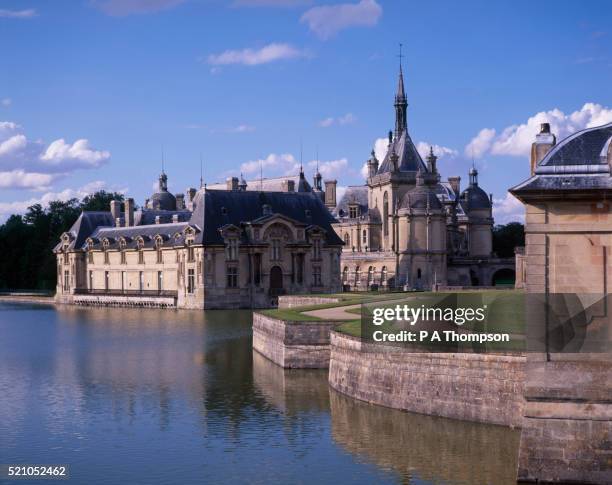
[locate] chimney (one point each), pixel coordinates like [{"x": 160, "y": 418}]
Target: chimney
[
  {"x": 180, "y": 201},
  {"x": 545, "y": 140},
  {"x": 191, "y": 192},
  {"x": 232, "y": 183},
  {"x": 175, "y": 218},
  {"x": 288, "y": 185},
  {"x": 129, "y": 212},
  {"x": 157, "y": 219},
  {"x": 119, "y": 221},
  {"x": 330, "y": 193},
  {"x": 115, "y": 209},
  {"x": 455, "y": 183}
]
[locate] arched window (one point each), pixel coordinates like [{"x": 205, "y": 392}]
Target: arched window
[
  {"x": 386, "y": 214},
  {"x": 357, "y": 275},
  {"x": 370, "y": 276},
  {"x": 345, "y": 275},
  {"x": 419, "y": 273},
  {"x": 383, "y": 276},
  {"x": 347, "y": 239},
  {"x": 364, "y": 236}
]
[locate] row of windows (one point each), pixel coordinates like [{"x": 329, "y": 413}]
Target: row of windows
[
  {"x": 357, "y": 275},
  {"x": 159, "y": 256},
  {"x": 364, "y": 238}
]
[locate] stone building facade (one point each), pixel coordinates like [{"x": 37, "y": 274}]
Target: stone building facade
[
  {"x": 230, "y": 248},
  {"x": 568, "y": 234},
  {"x": 408, "y": 228}
]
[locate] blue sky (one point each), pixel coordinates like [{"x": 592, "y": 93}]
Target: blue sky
[{"x": 90, "y": 90}]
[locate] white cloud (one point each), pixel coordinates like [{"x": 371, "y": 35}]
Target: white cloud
[
  {"x": 18, "y": 152},
  {"x": 242, "y": 129},
  {"x": 273, "y": 164},
  {"x": 364, "y": 172},
  {"x": 18, "y": 14},
  {"x": 20, "y": 207},
  {"x": 327, "y": 20},
  {"x": 6, "y": 102},
  {"x": 381, "y": 146},
  {"x": 330, "y": 169},
  {"x": 508, "y": 209},
  {"x": 439, "y": 151},
  {"x": 516, "y": 140},
  {"x": 340, "y": 190},
  {"x": 347, "y": 119},
  {"x": 254, "y": 57},
  {"x": 60, "y": 152},
  {"x": 481, "y": 143},
  {"x": 121, "y": 8},
  {"x": 20, "y": 179}
]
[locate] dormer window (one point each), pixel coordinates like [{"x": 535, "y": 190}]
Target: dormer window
[
  {"x": 353, "y": 211},
  {"x": 232, "y": 249}
]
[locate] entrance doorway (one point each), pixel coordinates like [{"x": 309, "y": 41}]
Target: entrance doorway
[{"x": 276, "y": 280}]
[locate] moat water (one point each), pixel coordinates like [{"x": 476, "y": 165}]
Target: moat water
[{"x": 162, "y": 397}]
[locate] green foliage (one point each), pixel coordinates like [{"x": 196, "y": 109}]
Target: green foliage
[
  {"x": 27, "y": 242},
  {"x": 506, "y": 237}
]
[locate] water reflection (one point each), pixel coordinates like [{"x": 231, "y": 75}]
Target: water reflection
[
  {"x": 425, "y": 447},
  {"x": 114, "y": 392}
]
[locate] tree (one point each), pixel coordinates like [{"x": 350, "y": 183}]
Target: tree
[
  {"x": 27, "y": 242},
  {"x": 506, "y": 237},
  {"x": 100, "y": 201}
]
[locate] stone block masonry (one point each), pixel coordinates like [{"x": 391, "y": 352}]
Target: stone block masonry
[
  {"x": 298, "y": 345},
  {"x": 486, "y": 388},
  {"x": 293, "y": 301}
]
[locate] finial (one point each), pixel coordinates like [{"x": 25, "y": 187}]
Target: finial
[
  {"x": 400, "y": 56},
  {"x": 162, "y": 157},
  {"x": 201, "y": 171},
  {"x": 431, "y": 153}
]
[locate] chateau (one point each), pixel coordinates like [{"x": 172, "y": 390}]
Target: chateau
[
  {"x": 241, "y": 244},
  {"x": 407, "y": 228},
  {"x": 213, "y": 249}
]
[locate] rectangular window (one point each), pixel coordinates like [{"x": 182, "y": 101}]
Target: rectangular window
[
  {"x": 190, "y": 253},
  {"x": 276, "y": 250},
  {"x": 66, "y": 280},
  {"x": 66, "y": 258},
  {"x": 353, "y": 212},
  {"x": 232, "y": 250},
  {"x": 232, "y": 277},
  {"x": 316, "y": 275},
  {"x": 257, "y": 269},
  {"x": 90, "y": 257},
  {"x": 160, "y": 280},
  {"x": 190, "y": 280},
  {"x": 91, "y": 280},
  {"x": 106, "y": 259},
  {"x": 299, "y": 259},
  {"x": 140, "y": 256},
  {"x": 106, "y": 280},
  {"x": 123, "y": 260},
  {"x": 316, "y": 249}
]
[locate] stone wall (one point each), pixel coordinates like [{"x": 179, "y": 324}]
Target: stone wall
[
  {"x": 292, "y": 301},
  {"x": 486, "y": 388},
  {"x": 298, "y": 345}
]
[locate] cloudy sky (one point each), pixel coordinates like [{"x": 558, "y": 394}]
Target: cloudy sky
[{"x": 92, "y": 91}]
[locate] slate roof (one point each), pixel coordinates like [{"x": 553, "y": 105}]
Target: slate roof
[
  {"x": 85, "y": 225},
  {"x": 273, "y": 184},
  {"x": 352, "y": 194},
  {"x": 409, "y": 158},
  {"x": 148, "y": 232},
  {"x": 577, "y": 163},
  {"x": 217, "y": 208}
]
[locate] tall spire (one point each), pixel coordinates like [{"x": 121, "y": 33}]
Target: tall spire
[{"x": 400, "y": 101}]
